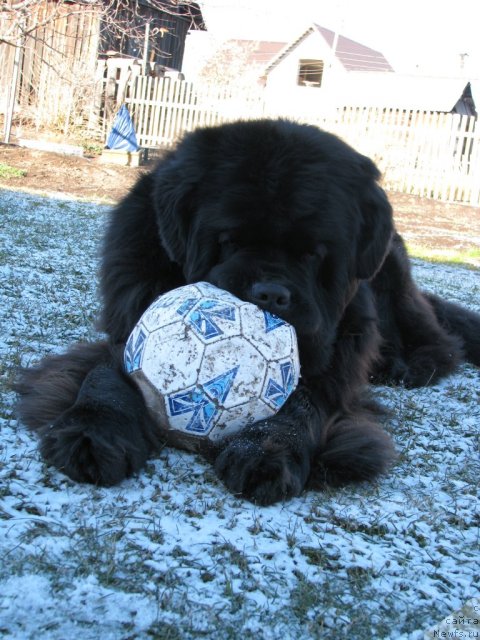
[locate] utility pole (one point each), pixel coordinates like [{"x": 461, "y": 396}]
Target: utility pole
[{"x": 145, "y": 49}]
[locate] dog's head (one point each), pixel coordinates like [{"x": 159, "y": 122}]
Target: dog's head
[{"x": 280, "y": 214}]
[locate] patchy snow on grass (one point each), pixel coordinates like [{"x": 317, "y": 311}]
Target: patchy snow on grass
[{"x": 170, "y": 553}]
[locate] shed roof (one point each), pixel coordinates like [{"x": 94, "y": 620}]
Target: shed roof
[{"x": 411, "y": 92}]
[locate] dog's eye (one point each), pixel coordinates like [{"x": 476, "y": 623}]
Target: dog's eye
[
  {"x": 226, "y": 239},
  {"x": 321, "y": 261},
  {"x": 227, "y": 243},
  {"x": 317, "y": 250},
  {"x": 327, "y": 272}
]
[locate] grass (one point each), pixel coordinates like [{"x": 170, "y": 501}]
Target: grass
[
  {"x": 7, "y": 172},
  {"x": 462, "y": 257},
  {"x": 169, "y": 553}
]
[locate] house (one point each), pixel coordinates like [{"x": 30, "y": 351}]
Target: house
[
  {"x": 319, "y": 57},
  {"x": 321, "y": 65}
]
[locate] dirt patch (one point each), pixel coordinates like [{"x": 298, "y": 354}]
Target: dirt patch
[
  {"x": 424, "y": 223},
  {"x": 436, "y": 225},
  {"x": 83, "y": 177}
]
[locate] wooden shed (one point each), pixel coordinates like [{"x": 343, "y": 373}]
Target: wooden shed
[{"x": 54, "y": 49}]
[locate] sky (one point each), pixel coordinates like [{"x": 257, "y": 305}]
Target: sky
[{"x": 414, "y": 35}]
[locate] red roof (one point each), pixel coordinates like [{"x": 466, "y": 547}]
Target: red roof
[
  {"x": 260, "y": 52},
  {"x": 353, "y": 55}
]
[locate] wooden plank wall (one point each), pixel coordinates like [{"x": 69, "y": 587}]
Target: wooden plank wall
[{"x": 58, "y": 60}]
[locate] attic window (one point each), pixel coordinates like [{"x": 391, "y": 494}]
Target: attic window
[{"x": 310, "y": 73}]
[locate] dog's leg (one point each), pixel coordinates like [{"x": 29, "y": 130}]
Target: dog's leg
[
  {"x": 461, "y": 322},
  {"x": 270, "y": 460},
  {"x": 355, "y": 449},
  {"x": 322, "y": 433},
  {"x": 275, "y": 459},
  {"x": 92, "y": 422},
  {"x": 417, "y": 350}
]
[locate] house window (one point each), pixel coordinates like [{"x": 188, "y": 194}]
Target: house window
[{"x": 310, "y": 73}]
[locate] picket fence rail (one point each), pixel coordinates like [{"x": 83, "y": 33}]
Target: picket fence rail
[
  {"x": 430, "y": 154},
  {"x": 164, "y": 109}
]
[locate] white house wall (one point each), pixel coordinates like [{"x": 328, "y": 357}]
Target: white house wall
[{"x": 282, "y": 81}]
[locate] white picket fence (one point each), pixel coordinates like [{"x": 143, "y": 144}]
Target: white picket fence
[
  {"x": 430, "y": 154},
  {"x": 164, "y": 109},
  {"x": 435, "y": 155}
]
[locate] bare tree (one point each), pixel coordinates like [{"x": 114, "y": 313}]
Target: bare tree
[
  {"x": 232, "y": 65},
  {"x": 119, "y": 19},
  {"x": 42, "y": 38}
]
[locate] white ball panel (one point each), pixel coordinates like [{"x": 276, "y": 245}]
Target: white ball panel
[
  {"x": 234, "y": 420},
  {"x": 271, "y": 335},
  {"x": 171, "y": 362},
  {"x": 170, "y": 308},
  {"x": 235, "y": 355}
]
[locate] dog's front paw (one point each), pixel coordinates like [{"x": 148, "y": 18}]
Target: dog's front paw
[
  {"x": 87, "y": 447},
  {"x": 262, "y": 470}
]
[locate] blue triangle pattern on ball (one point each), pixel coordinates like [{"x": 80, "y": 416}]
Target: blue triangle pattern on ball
[
  {"x": 277, "y": 394},
  {"x": 186, "y": 306},
  {"x": 133, "y": 351},
  {"x": 202, "y": 319},
  {"x": 218, "y": 388},
  {"x": 272, "y": 322},
  {"x": 200, "y": 406},
  {"x": 164, "y": 301}
]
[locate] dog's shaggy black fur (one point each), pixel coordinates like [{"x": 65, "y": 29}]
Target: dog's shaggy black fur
[{"x": 292, "y": 219}]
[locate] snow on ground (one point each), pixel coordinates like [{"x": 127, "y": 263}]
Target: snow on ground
[{"x": 170, "y": 554}]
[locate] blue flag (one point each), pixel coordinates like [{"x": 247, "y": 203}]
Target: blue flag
[{"x": 122, "y": 137}]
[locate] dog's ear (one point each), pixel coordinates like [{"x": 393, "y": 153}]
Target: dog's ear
[
  {"x": 377, "y": 226},
  {"x": 173, "y": 200},
  {"x": 184, "y": 238}
]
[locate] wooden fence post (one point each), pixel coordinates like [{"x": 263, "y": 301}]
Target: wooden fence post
[{"x": 12, "y": 92}]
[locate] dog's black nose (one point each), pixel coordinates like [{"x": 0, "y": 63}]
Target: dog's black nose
[{"x": 271, "y": 296}]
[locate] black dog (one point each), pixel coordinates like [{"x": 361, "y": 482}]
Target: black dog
[{"x": 292, "y": 219}]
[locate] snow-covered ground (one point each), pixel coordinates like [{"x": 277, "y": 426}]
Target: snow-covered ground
[{"x": 171, "y": 554}]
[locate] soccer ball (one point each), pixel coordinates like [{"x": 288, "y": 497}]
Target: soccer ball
[{"x": 208, "y": 363}]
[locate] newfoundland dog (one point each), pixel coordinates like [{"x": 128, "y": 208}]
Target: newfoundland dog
[{"x": 292, "y": 219}]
